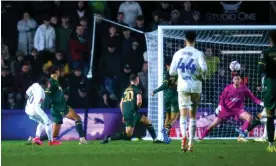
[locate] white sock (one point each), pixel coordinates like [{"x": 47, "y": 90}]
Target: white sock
[
  {"x": 39, "y": 129},
  {"x": 183, "y": 126},
  {"x": 192, "y": 129},
  {"x": 265, "y": 132},
  {"x": 49, "y": 132}
]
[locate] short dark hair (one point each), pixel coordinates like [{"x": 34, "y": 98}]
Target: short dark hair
[
  {"x": 121, "y": 13},
  {"x": 168, "y": 61},
  {"x": 26, "y": 64},
  {"x": 53, "y": 69},
  {"x": 133, "y": 77},
  {"x": 190, "y": 36},
  {"x": 272, "y": 36},
  {"x": 43, "y": 81}
]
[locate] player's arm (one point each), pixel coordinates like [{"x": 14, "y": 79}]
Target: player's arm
[
  {"x": 139, "y": 100},
  {"x": 173, "y": 67},
  {"x": 202, "y": 64},
  {"x": 262, "y": 63},
  {"x": 164, "y": 86},
  {"x": 47, "y": 100},
  {"x": 121, "y": 105},
  {"x": 249, "y": 94}
]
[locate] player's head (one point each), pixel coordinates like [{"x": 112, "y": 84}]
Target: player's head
[
  {"x": 190, "y": 37},
  {"x": 272, "y": 37},
  {"x": 134, "y": 79},
  {"x": 55, "y": 69},
  {"x": 43, "y": 82},
  {"x": 167, "y": 62},
  {"x": 236, "y": 79}
]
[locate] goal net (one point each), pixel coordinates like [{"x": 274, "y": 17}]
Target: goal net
[{"x": 221, "y": 45}]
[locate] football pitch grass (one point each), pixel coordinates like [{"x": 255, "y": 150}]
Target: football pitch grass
[{"x": 140, "y": 153}]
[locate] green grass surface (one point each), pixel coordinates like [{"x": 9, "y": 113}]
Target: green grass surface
[{"x": 142, "y": 153}]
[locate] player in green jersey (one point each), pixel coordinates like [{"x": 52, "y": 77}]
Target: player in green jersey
[
  {"x": 267, "y": 68},
  {"x": 59, "y": 107},
  {"x": 130, "y": 103},
  {"x": 169, "y": 87}
]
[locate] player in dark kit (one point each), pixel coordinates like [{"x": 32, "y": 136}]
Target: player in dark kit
[
  {"x": 169, "y": 87},
  {"x": 267, "y": 68},
  {"x": 130, "y": 104},
  {"x": 59, "y": 107}
]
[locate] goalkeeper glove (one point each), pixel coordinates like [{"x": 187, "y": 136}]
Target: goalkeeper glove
[
  {"x": 217, "y": 110},
  {"x": 261, "y": 104}
]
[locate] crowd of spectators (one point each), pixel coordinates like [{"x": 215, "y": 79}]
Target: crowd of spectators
[{"x": 56, "y": 33}]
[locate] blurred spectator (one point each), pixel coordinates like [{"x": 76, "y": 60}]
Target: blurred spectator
[
  {"x": 155, "y": 22},
  {"x": 86, "y": 32},
  {"x": 175, "y": 18},
  {"x": 131, "y": 10},
  {"x": 54, "y": 21},
  {"x": 135, "y": 59},
  {"x": 26, "y": 28},
  {"x": 4, "y": 49},
  {"x": 126, "y": 43},
  {"x": 63, "y": 80},
  {"x": 79, "y": 13},
  {"x": 196, "y": 18},
  {"x": 16, "y": 66},
  {"x": 112, "y": 37},
  {"x": 120, "y": 20},
  {"x": 138, "y": 36},
  {"x": 6, "y": 60},
  {"x": 186, "y": 14},
  {"x": 82, "y": 98},
  {"x": 35, "y": 64},
  {"x": 124, "y": 78},
  {"x": 143, "y": 76},
  {"x": 165, "y": 11},
  {"x": 63, "y": 34},
  {"x": 80, "y": 50},
  {"x": 110, "y": 65},
  {"x": 212, "y": 62},
  {"x": 11, "y": 102},
  {"x": 100, "y": 7},
  {"x": 7, "y": 81},
  {"x": 59, "y": 60},
  {"x": 76, "y": 81},
  {"x": 23, "y": 79},
  {"x": 45, "y": 37}
]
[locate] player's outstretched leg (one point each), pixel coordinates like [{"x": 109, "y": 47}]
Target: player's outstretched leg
[
  {"x": 216, "y": 122},
  {"x": 79, "y": 127},
  {"x": 150, "y": 129},
  {"x": 270, "y": 130},
  {"x": 247, "y": 121},
  {"x": 39, "y": 130}
]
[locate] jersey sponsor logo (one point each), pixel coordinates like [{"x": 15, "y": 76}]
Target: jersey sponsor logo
[
  {"x": 188, "y": 53},
  {"x": 189, "y": 67},
  {"x": 234, "y": 99}
]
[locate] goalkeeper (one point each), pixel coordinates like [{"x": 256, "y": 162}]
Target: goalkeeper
[{"x": 169, "y": 87}]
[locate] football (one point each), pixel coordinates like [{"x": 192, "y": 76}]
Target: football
[{"x": 234, "y": 66}]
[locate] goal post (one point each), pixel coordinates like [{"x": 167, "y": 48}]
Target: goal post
[{"x": 221, "y": 45}]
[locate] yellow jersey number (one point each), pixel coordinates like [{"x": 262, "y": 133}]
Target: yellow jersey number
[{"x": 128, "y": 96}]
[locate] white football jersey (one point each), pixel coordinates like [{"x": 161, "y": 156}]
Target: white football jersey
[
  {"x": 36, "y": 95},
  {"x": 188, "y": 63}
]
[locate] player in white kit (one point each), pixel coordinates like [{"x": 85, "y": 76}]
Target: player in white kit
[
  {"x": 190, "y": 66},
  {"x": 33, "y": 109}
]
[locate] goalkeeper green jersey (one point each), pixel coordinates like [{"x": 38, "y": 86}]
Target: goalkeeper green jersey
[{"x": 169, "y": 86}]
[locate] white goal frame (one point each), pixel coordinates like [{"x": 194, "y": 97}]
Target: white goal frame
[{"x": 160, "y": 58}]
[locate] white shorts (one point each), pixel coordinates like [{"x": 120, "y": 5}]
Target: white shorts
[
  {"x": 186, "y": 100},
  {"x": 38, "y": 115}
]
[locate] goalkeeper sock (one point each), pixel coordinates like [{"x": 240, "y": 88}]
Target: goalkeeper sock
[
  {"x": 151, "y": 131},
  {"x": 192, "y": 129},
  {"x": 183, "y": 126},
  {"x": 265, "y": 131},
  {"x": 49, "y": 132},
  {"x": 256, "y": 121},
  {"x": 79, "y": 128},
  {"x": 39, "y": 129},
  {"x": 270, "y": 129},
  {"x": 245, "y": 125}
]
